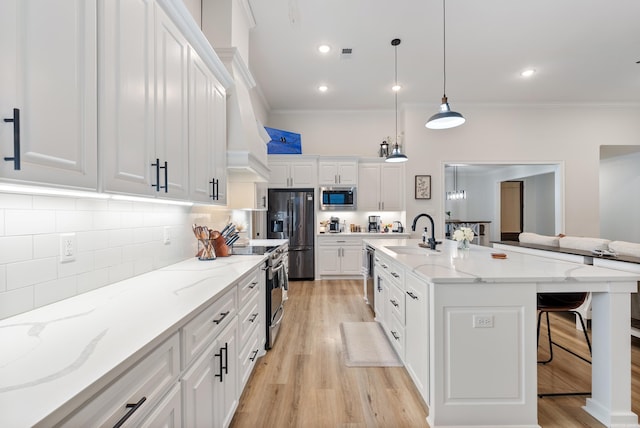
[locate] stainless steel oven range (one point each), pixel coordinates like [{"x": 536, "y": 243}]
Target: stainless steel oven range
[{"x": 276, "y": 285}]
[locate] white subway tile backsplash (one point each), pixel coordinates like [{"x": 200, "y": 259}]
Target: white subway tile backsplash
[
  {"x": 120, "y": 272},
  {"x": 16, "y": 248},
  {"x": 115, "y": 240},
  {"x": 120, "y": 237},
  {"x": 47, "y": 245},
  {"x": 29, "y": 222},
  {"x": 54, "y": 291},
  {"x": 108, "y": 257},
  {"x": 3, "y": 279},
  {"x": 92, "y": 204},
  {"x": 83, "y": 263},
  {"x": 53, "y": 203},
  {"x": 15, "y": 201},
  {"x": 92, "y": 240},
  {"x": 16, "y": 301},
  {"x": 31, "y": 272},
  {"x": 74, "y": 221},
  {"x": 142, "y": 235},
  {"x": 94, "y": 279},
  {"x": 107, "y": 220}
]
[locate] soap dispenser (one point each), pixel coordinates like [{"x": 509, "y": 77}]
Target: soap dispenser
[{"x": 424, "y": 236}]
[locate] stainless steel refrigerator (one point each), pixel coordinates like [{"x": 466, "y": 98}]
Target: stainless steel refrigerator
[{"x": 291, "y": 216}]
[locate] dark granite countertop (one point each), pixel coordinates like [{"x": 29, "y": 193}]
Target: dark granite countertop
[{"x": 628, "y": 259}]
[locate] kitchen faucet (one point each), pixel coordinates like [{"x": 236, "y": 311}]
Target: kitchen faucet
[{"x": 432, "y": 241}]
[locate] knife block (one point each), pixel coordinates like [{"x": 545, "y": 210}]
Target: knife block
[{"x": 220, "y": 247}]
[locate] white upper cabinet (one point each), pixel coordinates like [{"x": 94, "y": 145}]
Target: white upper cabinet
[
  {"x": 296, "y": 172},
  {"x": 207, "y": 137},
  {"x": 381, "y": 187},
  {"x": 48, "y": 75},
  {"x": 143, "y": 101},
  {"x": 341, "y": 173}
]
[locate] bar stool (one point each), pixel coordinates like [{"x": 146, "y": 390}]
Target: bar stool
[{"x": 561, "y": 302}]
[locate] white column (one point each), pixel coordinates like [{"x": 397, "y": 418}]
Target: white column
[{"x": 610, "y": 400}]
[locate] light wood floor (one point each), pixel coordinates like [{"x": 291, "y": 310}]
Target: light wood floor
[{"x": 303, "y": 382}]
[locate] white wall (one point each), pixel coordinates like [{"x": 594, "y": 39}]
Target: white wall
[
  {"x": 569, "y": 134},
  {"x": 620, "y": 197}
]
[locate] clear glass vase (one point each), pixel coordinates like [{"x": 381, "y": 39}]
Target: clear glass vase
[{"x": 463, "y": 245}]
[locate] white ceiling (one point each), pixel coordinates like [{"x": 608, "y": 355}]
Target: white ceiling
[{"x": 583, "y": 51}]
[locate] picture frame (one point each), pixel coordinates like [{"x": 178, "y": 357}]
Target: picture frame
[{"x": 423, "y": 187}]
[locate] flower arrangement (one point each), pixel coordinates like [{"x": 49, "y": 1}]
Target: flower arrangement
[{"x": 464, "y": 235}]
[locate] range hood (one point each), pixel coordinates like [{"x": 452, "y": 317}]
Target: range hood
[{"x": 246, "y": 137}]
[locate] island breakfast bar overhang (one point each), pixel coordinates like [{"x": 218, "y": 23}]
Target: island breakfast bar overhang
[{"x": 488, "y": 376}]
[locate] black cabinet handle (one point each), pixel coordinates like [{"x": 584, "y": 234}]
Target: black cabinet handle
[
  {"x": 394, "y": 303},
  {"x": 157, "y": 165},
  {"x": 215, "y": 189},
  {"x": 226, "y": 358},
  {"x": 253, "y": 285},
  {"x": 264, "y": 202},
  {"x": 16, "y": 139},
  {"x": 166, "y": 177},
  {"x": 132, "y": 409},
  {"x": 255, "y": 354},
  {"x": 395, "y": 335},
  {"x": 413, "y": 296},
  {"x": 223, "y": 315},
  {"x": 219, "y": 375},
  {"x": 253, "y": 317}
]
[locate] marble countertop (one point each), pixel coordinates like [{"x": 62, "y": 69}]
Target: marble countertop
[
  {"x": 451, "y": 265},
  {"x": 56, "y": 356}
]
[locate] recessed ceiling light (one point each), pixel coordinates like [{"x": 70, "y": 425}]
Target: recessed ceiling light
[
  {"x": 324, "y": 49},
  {"x": 528, "y": 73},
  {"x": 396, "y": 88},
  {"x": 323, "y": 88}
]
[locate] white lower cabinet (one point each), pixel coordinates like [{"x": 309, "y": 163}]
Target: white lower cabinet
[
  {"x": 209, "y": 385},
  {"x": 339, "y": 256},
  {"x": 134, "y": 395},
  {"x": 417, "y": 333},
  {"x": 168, "y": 414}
]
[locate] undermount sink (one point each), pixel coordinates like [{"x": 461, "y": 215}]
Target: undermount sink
[{"x": 419, "y": 251}]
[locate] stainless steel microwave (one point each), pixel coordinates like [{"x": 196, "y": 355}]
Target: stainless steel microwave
[{"x": 338, "y": 199}]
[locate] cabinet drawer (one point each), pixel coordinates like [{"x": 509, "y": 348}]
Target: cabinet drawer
[
  {"x": 248, "y": 357},
  {"x": 145, "y": 383},
  {"x": 397, "y": 303},
  {"x": 200, "y": 331},
  {"x": 342, "y": 241},
  {"x": 395, "y": 332},
  {"x": 249, "y": 318},
  {"x": 249, "y": 286}
]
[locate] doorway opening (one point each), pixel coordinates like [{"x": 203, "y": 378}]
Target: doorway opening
[{"x": 511, "y": 210}]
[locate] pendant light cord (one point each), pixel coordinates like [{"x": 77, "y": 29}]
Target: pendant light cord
[
  {"x": 444, "y": 49},
  {"x": 396, "y": 92}
]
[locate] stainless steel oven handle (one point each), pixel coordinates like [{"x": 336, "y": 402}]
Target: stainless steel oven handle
[{"x": 281, "y": 309}]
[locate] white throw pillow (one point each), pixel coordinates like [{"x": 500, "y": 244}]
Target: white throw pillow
[
  {"x": 583, "y": 243},
  {"x": 623, "y": 248},
  {"x": 534, "y": 238}
]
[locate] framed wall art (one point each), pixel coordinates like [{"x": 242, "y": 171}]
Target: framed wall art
[{"x": 423, "y": 187}]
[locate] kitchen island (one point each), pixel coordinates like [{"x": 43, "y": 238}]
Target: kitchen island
[{"x": 471, "y": 345}]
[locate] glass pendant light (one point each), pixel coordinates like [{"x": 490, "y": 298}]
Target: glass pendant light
[
  {"x": 445, "y": 118},
  {"x": 456, "y": 194},
  {"x": 396, "y": 155}
]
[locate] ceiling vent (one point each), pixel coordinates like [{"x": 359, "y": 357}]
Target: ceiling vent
[{"x": 346, "y": 53}]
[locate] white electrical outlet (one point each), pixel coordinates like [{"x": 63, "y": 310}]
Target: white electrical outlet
[
  {"x": 67, "y": 247},
  {"x": 483, "y": 321},
  {"x": 166, "y": 237}
]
